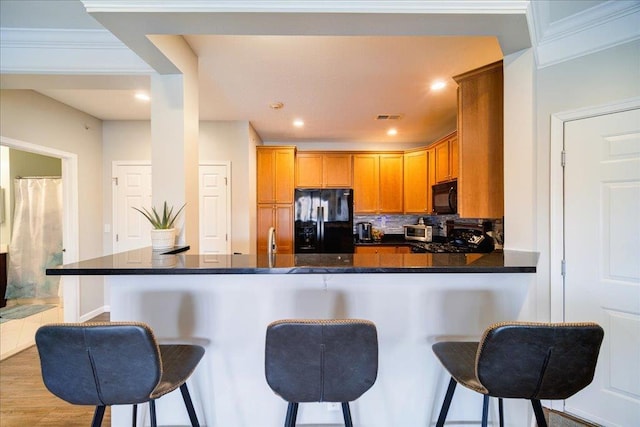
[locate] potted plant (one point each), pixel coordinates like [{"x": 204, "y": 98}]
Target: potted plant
[{"x": 163, "y": 233}]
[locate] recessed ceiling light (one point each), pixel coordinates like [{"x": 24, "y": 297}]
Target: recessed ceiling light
[
  {"x": 298, "y": 123},
  {"x": 438, "y": 85},
  {"x": 141, "y": 96},
  {"x": 392, "y": 132},
  {"x": 276, "y": 105}
]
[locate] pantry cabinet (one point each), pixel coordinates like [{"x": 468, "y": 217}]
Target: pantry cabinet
[
  {"x": 378, "y": 182},
  {"x": 480, "y": 139},
  {"x": 275, "y": 190},
  {"x": 323, "y": 170}
]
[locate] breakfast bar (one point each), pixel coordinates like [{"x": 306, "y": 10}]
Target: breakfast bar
[{"x": 225, "y": 302}]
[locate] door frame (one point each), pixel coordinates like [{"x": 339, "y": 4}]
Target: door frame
[
  {"x": 556, "y": 202},
  {"x": 70, "y": 227}
]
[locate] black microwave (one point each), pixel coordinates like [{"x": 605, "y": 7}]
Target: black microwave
[{"x": 445, "y": 198}]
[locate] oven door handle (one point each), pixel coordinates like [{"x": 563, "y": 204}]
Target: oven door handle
[{"x": 453, "y": 200}]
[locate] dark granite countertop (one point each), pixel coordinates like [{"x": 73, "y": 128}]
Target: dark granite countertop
[{"x": 180, "y": 261}]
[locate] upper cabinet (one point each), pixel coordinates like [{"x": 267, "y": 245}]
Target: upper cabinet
[
  {"x": 446, "y": 158},
  {"x": 275, "y": 174},
  {"x": 378, "y": 182},
  {"x": 480, "y": 139},
  {"x": 323, "y": 170}
]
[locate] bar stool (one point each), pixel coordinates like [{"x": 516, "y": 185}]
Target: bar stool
[
  {"x": 310, "y": 360},
  {"x": 118, "y": 363},
  {"x": 522, "y": 360}
]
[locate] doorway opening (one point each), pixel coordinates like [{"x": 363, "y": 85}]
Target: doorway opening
[{"x": 68, "y": 299}]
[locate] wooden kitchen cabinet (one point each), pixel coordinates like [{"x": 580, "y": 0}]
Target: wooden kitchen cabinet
[
  {"x": 275, "y": 190},
  {"x": 446, "y": 158},
  {"x": 480, "y": 139},
  {"x": 280, "y": 217},
  {"x": 275, "y": 174},
  {"x": 378, "y": 182},
  {"x": 323, "y": 170}
]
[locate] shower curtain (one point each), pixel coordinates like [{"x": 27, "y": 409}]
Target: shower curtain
[{"x": 36, "y": 240}]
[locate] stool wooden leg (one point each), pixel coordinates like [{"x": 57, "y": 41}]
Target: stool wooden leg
[
  {"x": 97, "y": 416},
  {"x": 292, "y": 414},
  {"x": 189, "y": 404},
  {"x": 346, "y": 413},
  {"x": 447, "y": 402},
  {"x": 485, "y": 410},
  {"x": 537, "y": 410}
]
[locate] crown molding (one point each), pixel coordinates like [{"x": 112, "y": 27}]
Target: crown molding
[
  {"x": 601, "y": 27},
  {"x": 61, "y": 51},
  {"x": 310, "y": 6}
]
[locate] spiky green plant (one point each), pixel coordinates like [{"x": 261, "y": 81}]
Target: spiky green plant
[{"x": 161, "y": 222}]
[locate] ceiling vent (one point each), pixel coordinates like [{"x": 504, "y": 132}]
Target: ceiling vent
[{"x": 389, "y": 116}]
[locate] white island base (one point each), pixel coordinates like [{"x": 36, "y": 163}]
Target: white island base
[{"x": 228, "y": 314}]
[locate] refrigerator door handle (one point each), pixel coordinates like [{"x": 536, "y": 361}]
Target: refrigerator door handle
[{"x": 321, "y": 225}]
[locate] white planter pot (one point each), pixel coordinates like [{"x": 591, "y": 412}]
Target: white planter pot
[{"x": 163, "y": 239}]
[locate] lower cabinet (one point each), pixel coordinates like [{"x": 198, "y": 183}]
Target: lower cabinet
[
  {"x": 383, "y": 249},
  {"x": 279, "y": 216},
  {"x": 381, "y": 261}
]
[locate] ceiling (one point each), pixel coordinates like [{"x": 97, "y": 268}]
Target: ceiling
[{"x": 337, "y": 84}]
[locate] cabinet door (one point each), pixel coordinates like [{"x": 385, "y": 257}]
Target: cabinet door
[
  {"x": 309, "y": 170},
  {"x": 284, "y": 228},
  {"x": 416, "y": 181},
  {"x": 365, "y": 183},
  {"x": 454, "y": 157},
  {"x": 442, "y": 161},
  {"x": 266, "y": 170},
  {"x": 265, "y": 220},
  {"x": 284, "y": 175},
  {"x": 391, "y": 183},
  {"x": 337, "y": 170}
]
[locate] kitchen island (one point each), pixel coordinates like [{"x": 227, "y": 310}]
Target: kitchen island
[{"x": 225, "y": 302}]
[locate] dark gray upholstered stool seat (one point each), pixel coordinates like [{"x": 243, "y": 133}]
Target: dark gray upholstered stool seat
[
  {"x": 521, "y": 360},
  {"x": 103, "y": 364},
  {"x": 321, "y": 361}
]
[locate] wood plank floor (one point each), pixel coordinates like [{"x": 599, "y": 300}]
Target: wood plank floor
[{"x": 25, "y": 401}]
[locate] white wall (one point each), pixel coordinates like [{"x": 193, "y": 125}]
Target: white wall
[
  {"x": 123, "y": 141},
  {"x": 36, "y": 119},
  {"x": 232, "y": 141},
  {"x": 600, "y": 78},
  {"x": 235, "y": 141}
]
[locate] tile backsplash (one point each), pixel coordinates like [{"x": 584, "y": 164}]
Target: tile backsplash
[{"x": 393, "y": 224}]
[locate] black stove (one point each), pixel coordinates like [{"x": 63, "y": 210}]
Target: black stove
[{"x": 461, "y": 239}]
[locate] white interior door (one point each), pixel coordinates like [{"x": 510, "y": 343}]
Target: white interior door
[
  {"x": 131, "y": 188},
  {"x": 602, "y": 253},
  {"x": 215, "y": 215}
]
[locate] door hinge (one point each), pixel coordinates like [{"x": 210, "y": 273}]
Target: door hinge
[
  {"x": 563, "y": 268},
  {"x": 226, "y": 181},
  {"x": 226, "y": 237},
  {"x": 115, "y": 180},
  {"x": 117, "y": 240},
  {"x": 563, "y": 158}
]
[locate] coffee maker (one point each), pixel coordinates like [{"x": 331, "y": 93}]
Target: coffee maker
[{"x": 365, "y": 231}]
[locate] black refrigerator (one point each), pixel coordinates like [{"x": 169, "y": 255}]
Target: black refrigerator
[{"x": 324, "y": 221}]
